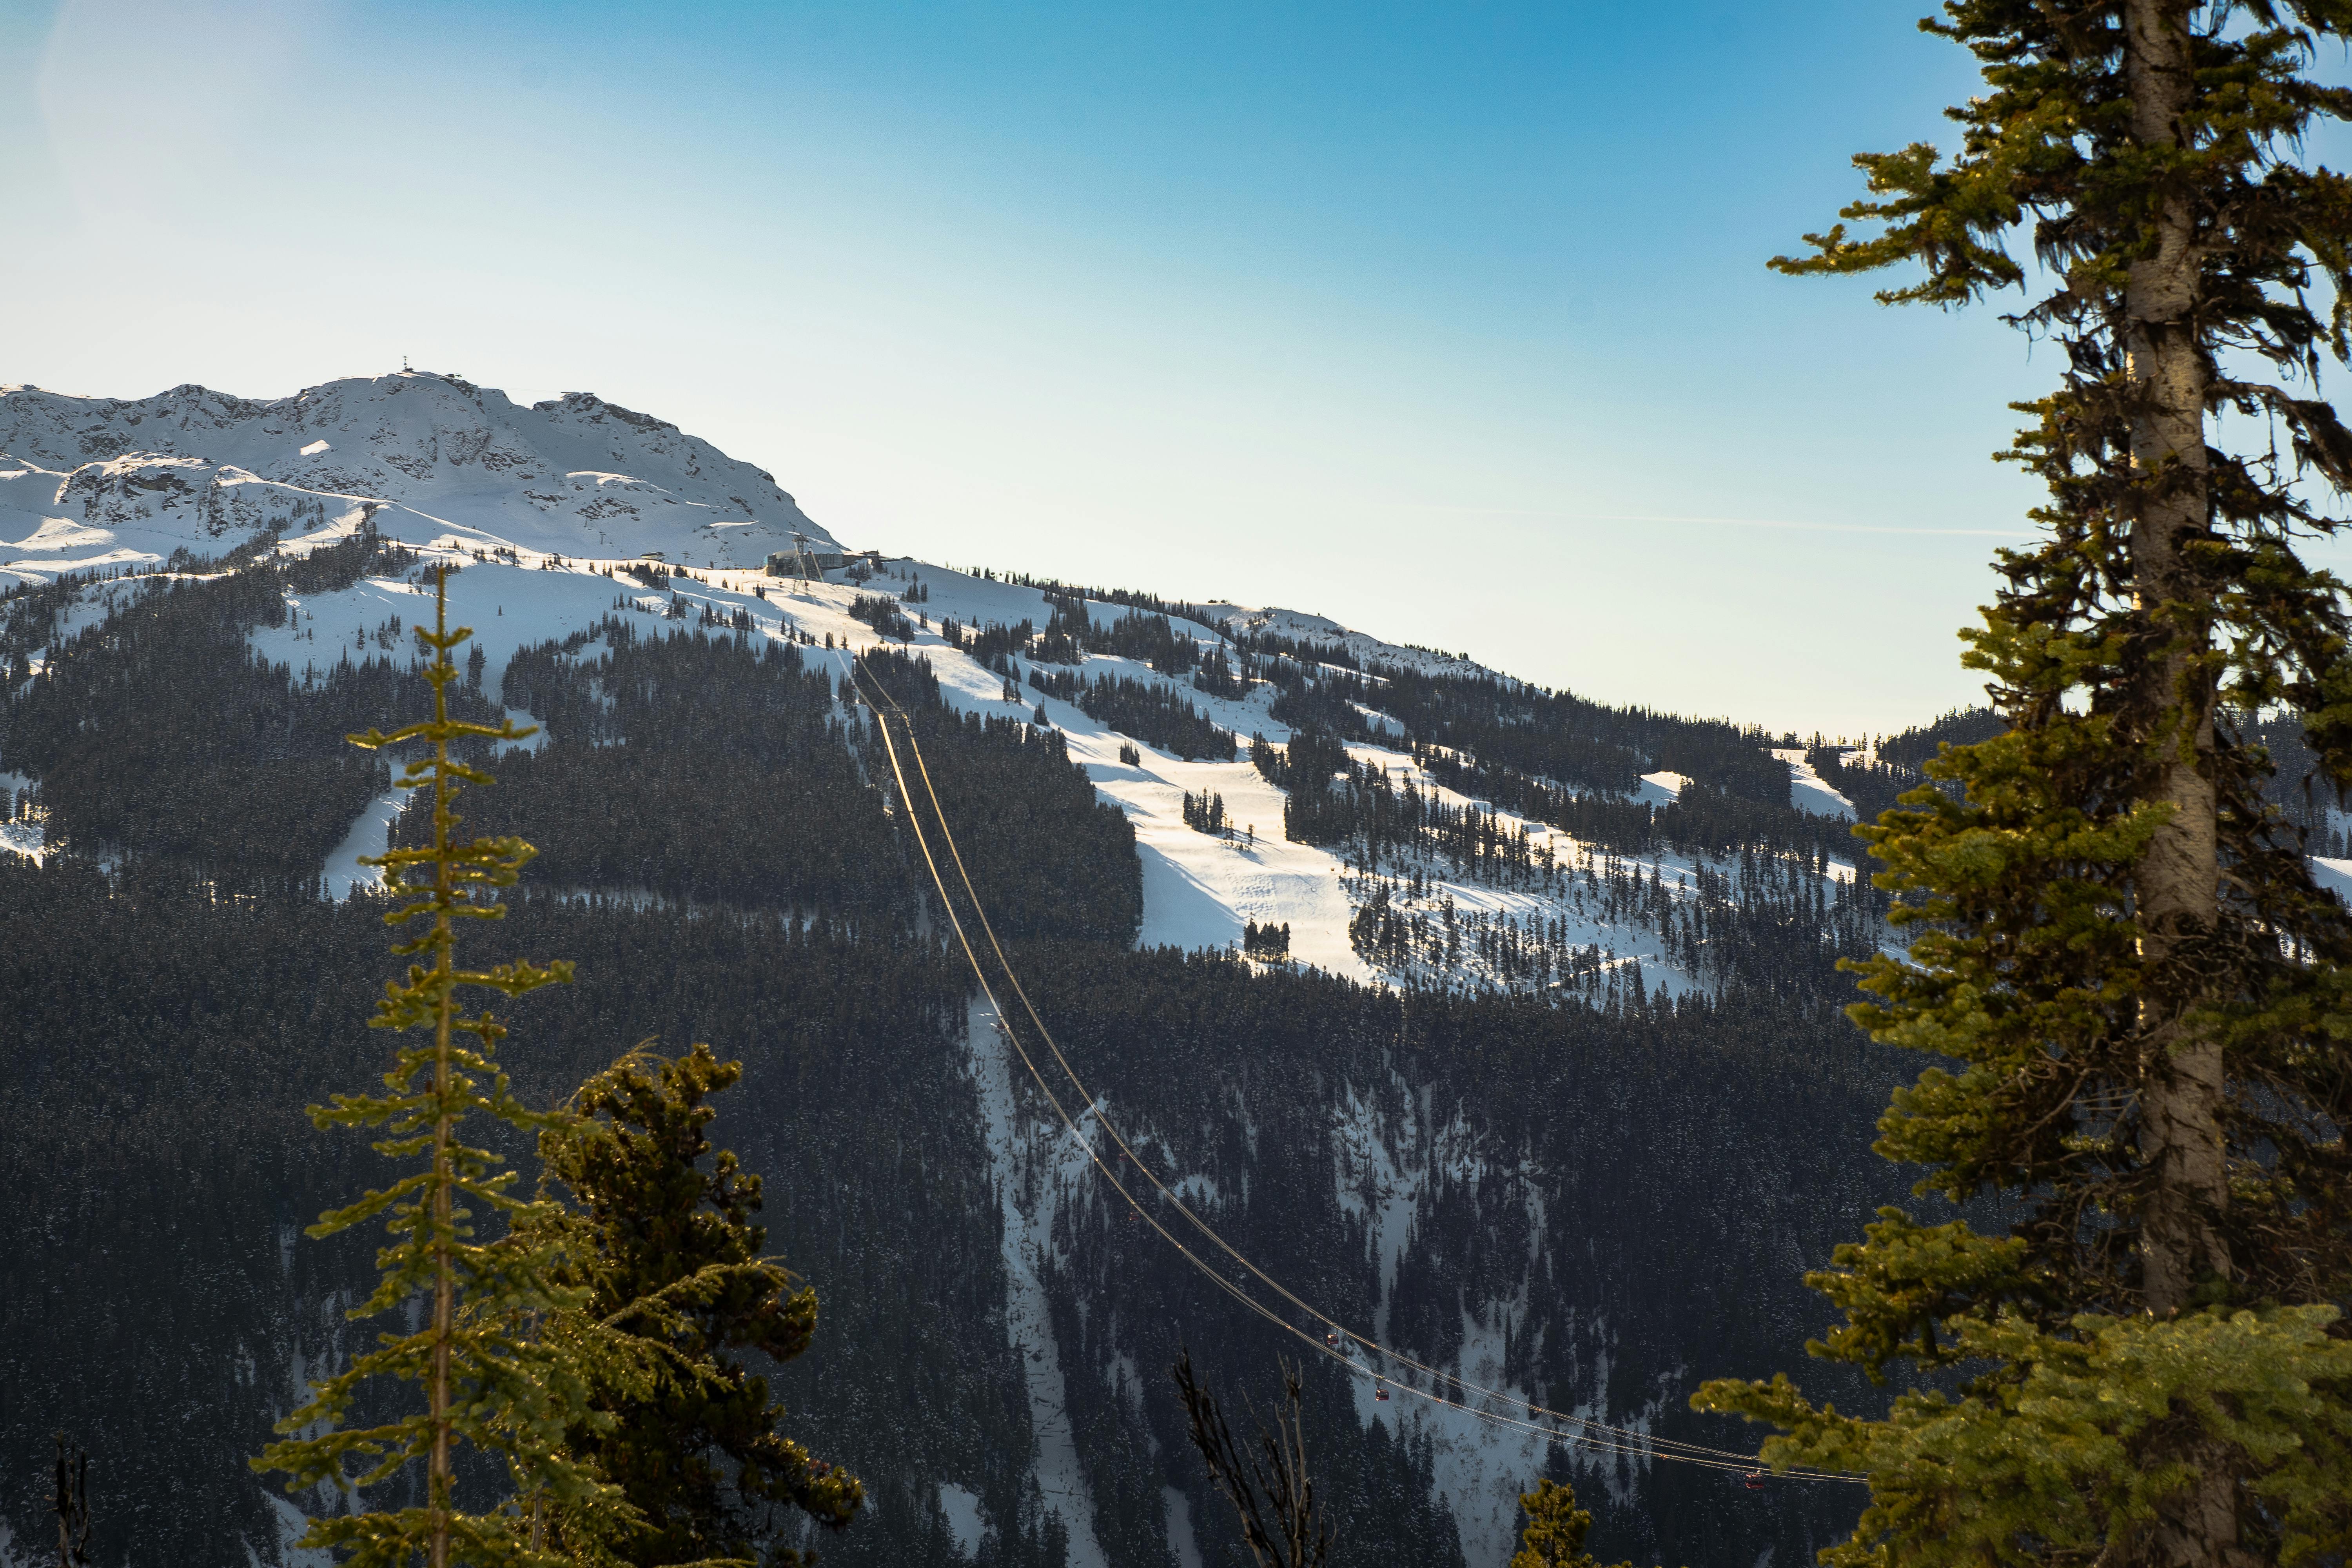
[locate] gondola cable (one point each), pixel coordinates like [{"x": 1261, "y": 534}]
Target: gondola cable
[
  {"x": 1627, "y": 1441},
  {"x": 1640, "y": 1444}
]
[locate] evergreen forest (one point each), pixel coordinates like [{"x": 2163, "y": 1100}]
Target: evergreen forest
[{"x": 723, "y": 861}]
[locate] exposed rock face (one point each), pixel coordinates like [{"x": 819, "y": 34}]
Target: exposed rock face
[{"x": 88, "y": 481}]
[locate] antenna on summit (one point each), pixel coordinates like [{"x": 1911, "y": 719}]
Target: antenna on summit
[{"x": 404, "y": 363}]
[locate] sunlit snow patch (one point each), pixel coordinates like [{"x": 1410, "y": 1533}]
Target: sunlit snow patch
[
  {"x": 1808, "y": 791},
  {"x": 25, "y": 835},
  {"x": 1662, "y": 788}
]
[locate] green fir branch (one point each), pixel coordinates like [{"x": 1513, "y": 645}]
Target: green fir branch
[{"x": 2132, "y": 993}]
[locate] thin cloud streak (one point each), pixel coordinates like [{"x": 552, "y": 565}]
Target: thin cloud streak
[{"x": 1740, "y": 523}]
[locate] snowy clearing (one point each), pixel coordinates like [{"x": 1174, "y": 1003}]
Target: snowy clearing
[
  {"x": 1806, "y": 791},
  {"x": 1035, "y": 1158}
]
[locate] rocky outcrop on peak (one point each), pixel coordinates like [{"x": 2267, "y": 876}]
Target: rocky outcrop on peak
[{"x": 94, "y": 481}]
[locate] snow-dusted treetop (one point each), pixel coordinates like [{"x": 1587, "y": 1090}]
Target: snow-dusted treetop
[{"x": 94, "y": 481}]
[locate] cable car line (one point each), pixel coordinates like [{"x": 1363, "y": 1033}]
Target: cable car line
[
  {"x": 1598, "y": 1435},
  {"x": 1634, "y": 1443}
]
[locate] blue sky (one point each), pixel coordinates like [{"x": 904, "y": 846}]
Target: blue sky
[{"x": 1450, "y": 322}]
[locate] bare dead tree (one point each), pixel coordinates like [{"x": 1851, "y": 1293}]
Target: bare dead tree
[
  {"x": 71, "y": 1501},
  {"x": 1272, "y": 1492}
]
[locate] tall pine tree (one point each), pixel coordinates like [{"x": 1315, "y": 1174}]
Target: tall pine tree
[
  {"x": 489, "y": 1378},
  {"x": 674, "y": 1291},
  {"x": 2119, "y": 945}
]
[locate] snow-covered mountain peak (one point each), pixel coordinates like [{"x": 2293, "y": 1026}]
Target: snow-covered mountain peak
[{"x": 90, "y": 480}]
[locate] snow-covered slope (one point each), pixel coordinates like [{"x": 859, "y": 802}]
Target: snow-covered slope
[
  {"x": 1200, "y": 889},
  {"x": 1808, "y": 791},
  {"x": 538, "y": 503},
  {"x": 93, "y": 481}
]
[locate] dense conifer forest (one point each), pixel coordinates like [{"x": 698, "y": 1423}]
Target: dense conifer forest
[
  {"x": 155, "y": 729},
  {"x": 724, "y": 860}
]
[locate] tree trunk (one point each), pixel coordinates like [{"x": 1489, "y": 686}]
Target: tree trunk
[
  {"x": 2172, "y": 703},
  {"x": 438, "y": 1479},
  {"x": 2180, "y": 877}
]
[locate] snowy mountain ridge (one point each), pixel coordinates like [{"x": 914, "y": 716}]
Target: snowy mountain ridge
[
  {"x": 92, "y": 482},
  {"x": 463, "y": 474},
  {"x": 1301, "y": 627}
]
